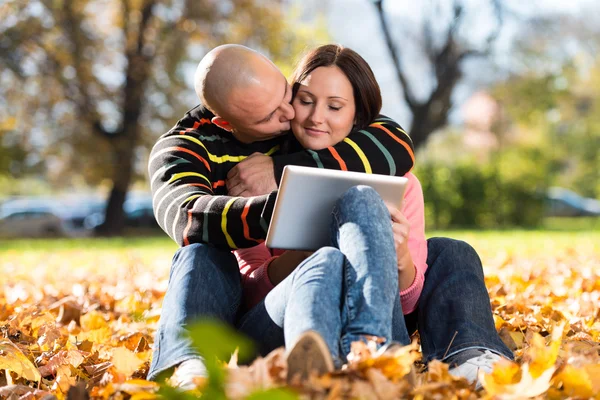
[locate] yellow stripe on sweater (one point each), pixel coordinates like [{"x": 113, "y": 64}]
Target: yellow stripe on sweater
[
  {"x": 361, "y": 155},
  {"x": 180, "y": 175},
  {"x": 218, "y": 159},
  {"x": 224, "y": 224}
]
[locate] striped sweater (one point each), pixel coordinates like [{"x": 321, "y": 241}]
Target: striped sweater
[{"x": 189, "y": 164}]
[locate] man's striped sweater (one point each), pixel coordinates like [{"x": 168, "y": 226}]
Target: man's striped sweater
[{"x": 188, "y": 167}]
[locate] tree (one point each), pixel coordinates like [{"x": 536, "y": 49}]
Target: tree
[
  {"x": 446, "y": 48},
  {"x": 95, "y": 81}
]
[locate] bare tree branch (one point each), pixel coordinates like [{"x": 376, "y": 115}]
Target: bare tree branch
[
  {"x": 446, "y": 60},
  {"x": 72, "y": 28},
  {"x": 408, "y": 94}
]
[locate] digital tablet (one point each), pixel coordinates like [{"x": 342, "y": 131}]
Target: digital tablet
[{"x": 302, "y": 215}]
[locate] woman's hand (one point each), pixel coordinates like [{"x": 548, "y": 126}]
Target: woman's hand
[
  {"x": 401, "y": 231},
  {"x": 283, "y": 265}
]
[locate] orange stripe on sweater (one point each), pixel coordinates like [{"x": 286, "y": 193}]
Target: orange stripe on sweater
[
  {"x": 245, "y": 222},
  {"x": 199, "y": 157},
  {"x": 199, "y": 185},
  {"x": 406, "y": 146},
  {"x": 203, "y": 121},
  {"x": 218, "y": 183},
  {"x": 339, "y": 159},
  {"x": 195, "y": 126}
]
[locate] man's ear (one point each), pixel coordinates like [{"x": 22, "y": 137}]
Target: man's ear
[{"x": 222, "y": 123}]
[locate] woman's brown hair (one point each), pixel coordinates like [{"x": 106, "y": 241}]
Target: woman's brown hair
[{"x": 367, "y": 95}]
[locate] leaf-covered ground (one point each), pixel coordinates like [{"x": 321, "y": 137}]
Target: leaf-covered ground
[{"x": 84, "y": 312}]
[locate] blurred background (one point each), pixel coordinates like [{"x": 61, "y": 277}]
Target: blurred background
[{"x": 501, "y": 98}]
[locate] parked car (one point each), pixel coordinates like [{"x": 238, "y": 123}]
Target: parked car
[
  {"x": 138, "y": 214},
  {"x": 32, "y": 223},
  {"x": 561, "y": 202}
]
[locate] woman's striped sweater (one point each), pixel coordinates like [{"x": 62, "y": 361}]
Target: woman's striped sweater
[{"x": 189, "y": 164}]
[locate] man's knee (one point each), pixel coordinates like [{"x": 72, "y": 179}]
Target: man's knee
[
  {"x": 454, "y": 254},
  {"x": 202, "y": 258}
]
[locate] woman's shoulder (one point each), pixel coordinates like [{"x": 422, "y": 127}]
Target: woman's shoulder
[{"x": 412, "y": 179}]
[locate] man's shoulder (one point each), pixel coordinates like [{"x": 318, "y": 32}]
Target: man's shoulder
[
  {"x": 200, "y": 112},
  {"x": 196, "y": 122}
]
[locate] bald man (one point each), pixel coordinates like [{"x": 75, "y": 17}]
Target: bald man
[{"x": 231, "y": 146}]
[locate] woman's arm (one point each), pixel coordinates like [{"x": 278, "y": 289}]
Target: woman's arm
[
  {"x": 411, "y": 245},
  {"x": 261, "y": 271}
]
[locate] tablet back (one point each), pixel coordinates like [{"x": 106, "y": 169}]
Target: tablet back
[{"x": 302, "y": 215}]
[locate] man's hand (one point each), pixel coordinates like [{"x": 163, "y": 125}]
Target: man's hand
[{"x": 254, "y": 176}]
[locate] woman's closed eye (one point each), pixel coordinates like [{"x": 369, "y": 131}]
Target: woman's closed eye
[
  {"x": 305, "y": 102},
  {"x": 335, "y": 108}
]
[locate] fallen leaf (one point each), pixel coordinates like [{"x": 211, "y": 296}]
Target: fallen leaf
[
  {"x": 125, "y": 361},
  {"x": 13, "y": 359}
]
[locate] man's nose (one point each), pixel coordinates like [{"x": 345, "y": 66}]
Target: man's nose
[{"x": 288, "y": 113}]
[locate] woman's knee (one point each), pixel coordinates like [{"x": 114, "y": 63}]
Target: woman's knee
[
  {"x": 327, "y": 263},
  {"x": 362, "y": 198}
]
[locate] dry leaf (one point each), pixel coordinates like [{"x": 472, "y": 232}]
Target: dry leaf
[
  {"x": 13, "y": 359},
  {"x": 125, "y": 361}
]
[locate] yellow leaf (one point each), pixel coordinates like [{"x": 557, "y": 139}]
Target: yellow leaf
[
  {"x": 13, "y": 359},
  {"x": 593, "y": 372},
  {"x": 64, "y": 380},
  {"x": 506, "y": 372},
  {"x": 97, "y": 336},
  {"x": 527, "y": 387},
  {"x": 93, "y": 320},
  {"x": 140, "y": 388},
  {"x": 518, "y": 338},
  {"x": 575, "y": 381},
  {"x": 125, "y": 361},
  {"x": 544, "y": 357}
]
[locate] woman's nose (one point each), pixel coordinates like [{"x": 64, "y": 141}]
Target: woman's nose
[{"x": 317, "y": 115}]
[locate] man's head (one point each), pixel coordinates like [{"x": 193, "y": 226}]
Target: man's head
[{"x": 248, "y": 94}]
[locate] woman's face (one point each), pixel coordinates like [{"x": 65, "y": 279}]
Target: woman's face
[{"x": 325, "y": 108}]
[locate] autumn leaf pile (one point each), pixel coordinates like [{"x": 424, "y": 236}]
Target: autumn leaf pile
[{"x": 85, "y": 318}]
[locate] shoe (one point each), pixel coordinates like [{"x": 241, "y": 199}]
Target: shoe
[
  {"x": 470, "y": 368},
  {"x": 189, "y": 374},
  {"x": 309, "y": 355}
]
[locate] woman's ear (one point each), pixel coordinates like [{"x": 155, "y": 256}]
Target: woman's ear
[{"x": 221, "y": 123}]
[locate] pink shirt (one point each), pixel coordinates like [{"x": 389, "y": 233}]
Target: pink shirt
[{"x": 254, "y": 261}]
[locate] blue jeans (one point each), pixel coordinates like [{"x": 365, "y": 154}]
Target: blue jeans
[
  {"x": 453, "y": 314},
  {"x": 344, "y": 291},
  {"x": 454, "y": 311}
]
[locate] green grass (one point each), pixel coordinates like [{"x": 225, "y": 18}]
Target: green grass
[
  {"x": 138, "y": 243},
  {"x": 509, "y": 240}
]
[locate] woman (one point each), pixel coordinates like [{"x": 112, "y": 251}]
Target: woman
[{"x": 368, "y": 276}]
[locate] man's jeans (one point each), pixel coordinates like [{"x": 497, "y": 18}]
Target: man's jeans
[{"x": 454, "y": 311}]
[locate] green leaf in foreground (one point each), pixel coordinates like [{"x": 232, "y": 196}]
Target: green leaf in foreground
[
  {"x": 273, "y": 394},
  {"x": 215, "y": 339}
]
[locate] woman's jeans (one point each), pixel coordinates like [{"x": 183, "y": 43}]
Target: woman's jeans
[{"x": 342, "y": 291}]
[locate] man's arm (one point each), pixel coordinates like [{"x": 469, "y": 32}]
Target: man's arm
[
  {"x": 182, "y": 179},
  {"x": 381, "y": 148}
]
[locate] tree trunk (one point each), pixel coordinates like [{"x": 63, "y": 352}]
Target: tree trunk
[
  {"x": 114, "y": 220},
  {"x": 136, "y": 77}
]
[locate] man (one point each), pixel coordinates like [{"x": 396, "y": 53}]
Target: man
[{"x": 210, "y": 155}]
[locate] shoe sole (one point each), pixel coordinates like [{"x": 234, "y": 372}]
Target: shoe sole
[{"x": 309, "y": 355}]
